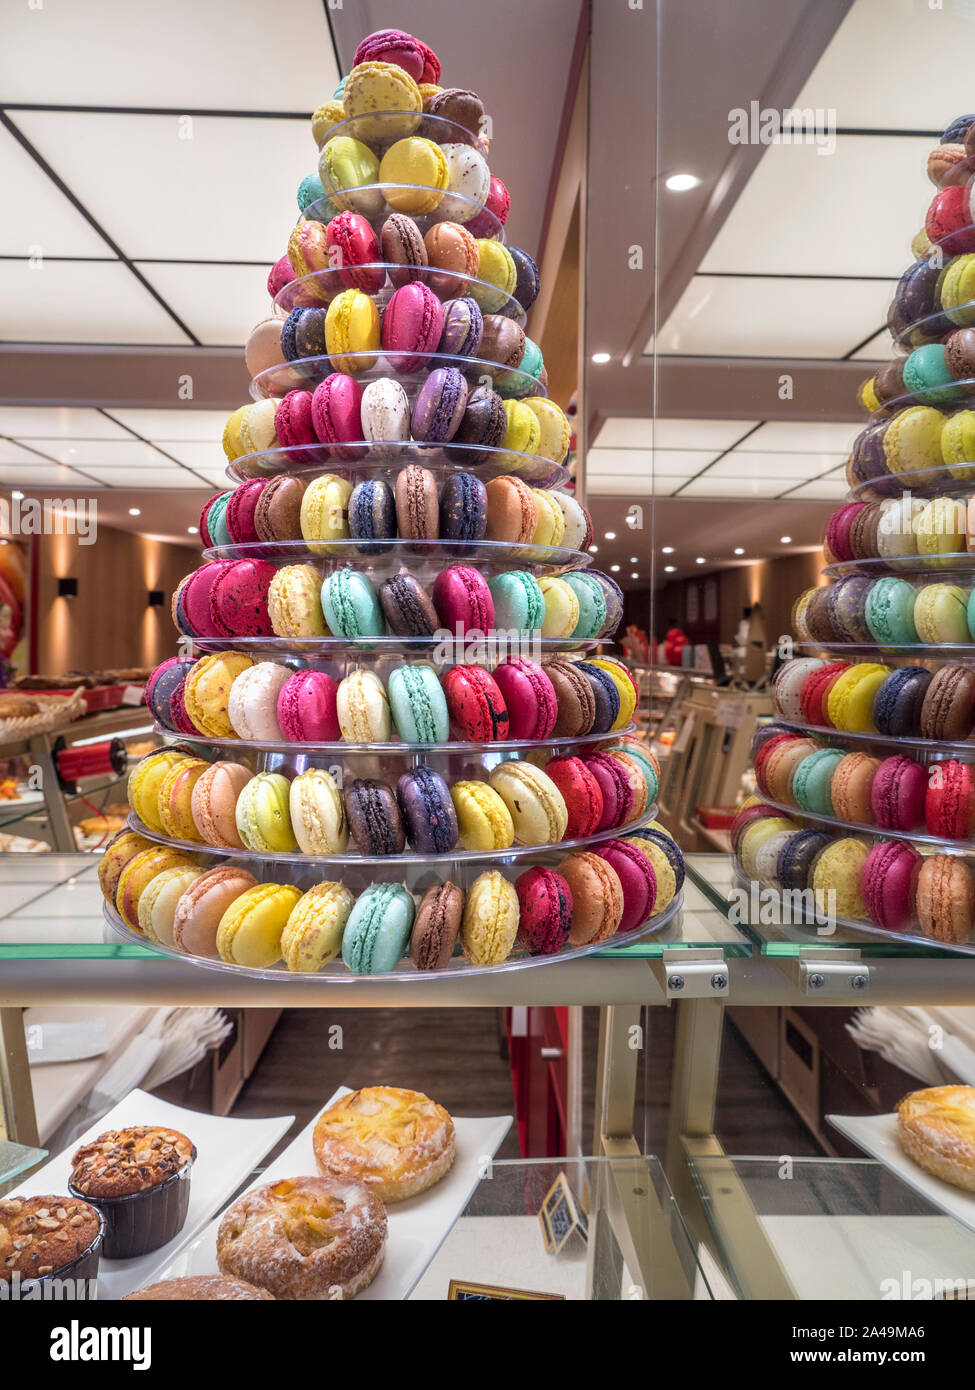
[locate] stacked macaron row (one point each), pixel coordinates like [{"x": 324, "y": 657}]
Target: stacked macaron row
[
  {"x": 919, "y": 534},
  {"x": 224, "y": 804},
  {"x": 222, "y": 912},
  {"x": 855, "y": 879},
  {"x": 328, "y": 507},
  {"x": 253, "y": 598},
  {"x": 893, "y": 793},
  {"x": 886, "y": 612},
  {"x": 908, "y": 702},
  {"x": 228, "y": 695},
  {"x": 919, "y": 445}
]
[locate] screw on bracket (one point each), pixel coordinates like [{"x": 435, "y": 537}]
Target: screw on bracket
[
  {"x": 675, "y": 982},
  {"x": 719, "y": 982},
  {"x": 816, "y": 981},
  {"x": 859, "y": 982}
]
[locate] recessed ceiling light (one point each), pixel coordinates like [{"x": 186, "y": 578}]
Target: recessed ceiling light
[
  {"x": 192, "y": 530},
  {"x": 600, "y": 357},
  {"x": 739, "y": 550},
  {"x": 785, "y": 540},
  {"x": 668, "y": 550},
  {"x": 610, "y": 535},
  {"x": 634, "y": 560},
  {"x": 594, "y": 550},
  {"x": 634, "y": 575},
  {"x": 615, "y": 569},
  {"x": 669, "y": 569},
  {"x": 682, "y": 183},
  {"x": 135, "y": 511},
  {"x": 17, "y": 496},
  {"x": 700, "y": 560}
]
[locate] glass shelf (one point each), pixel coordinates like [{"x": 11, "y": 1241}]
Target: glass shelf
[
  {"x": 828, "y": 1228},
  {"x": 16, "y": 1159}
]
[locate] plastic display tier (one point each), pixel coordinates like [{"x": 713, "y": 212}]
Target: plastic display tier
[
  {"x": 337, "y": 972},
  {"x": 870, "y": 828},
  {"x": 380, "y": 279},
  {"x": 876, "y": 651},
  {"x": 922, "y": 482},
  {"x": 386, "y": 460},
  {"x": 424, "y": 559},
  {"x": 396, "y": 748},
  {"x": 369, "y": 364},
  {"x": 942, "y": 568},
  {"x": 449, "y": 650},
  {"x": 887, "y": 743}
]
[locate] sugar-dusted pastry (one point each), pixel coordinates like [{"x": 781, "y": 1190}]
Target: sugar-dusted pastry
[
  {"x": 304, "y": 1238},
  {"x": 397, "y": 1142},
  {"x": 936, "y": 1128}
]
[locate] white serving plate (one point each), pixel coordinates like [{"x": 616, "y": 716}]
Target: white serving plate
[
  {"x": 417, "y": 1227},
  {"x": 227, "y": 1152},
  {"x": 877, "y": 1136}
]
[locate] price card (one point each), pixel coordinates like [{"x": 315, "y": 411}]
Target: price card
[
  {"x": 133, "y": 694},
  {"x": 460, "y": 1292},
  {"x": 731, "y": 713},
  {"x": 559, "y": 1215}
]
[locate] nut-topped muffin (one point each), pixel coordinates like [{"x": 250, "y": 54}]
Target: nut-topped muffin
[
  {"x": 43, "y": 1235},
  {"x": 139, "y": 1179},
  {"x": 123, "y": 1161}
]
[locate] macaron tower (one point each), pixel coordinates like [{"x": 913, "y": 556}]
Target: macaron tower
[
  {"x": 880, "y": 810},
  {"x": 393, "y": 743}
]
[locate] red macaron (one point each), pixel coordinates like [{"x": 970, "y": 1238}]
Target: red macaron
[
  {"x": 191, "y": 601},
  {"x": 838, "y": 530},
  {"x": 530, "y": 697},
  {"x": 307, "y": 709},
  {"x": 948, "y": 220},
  {"x": 411, "y": 327},
  {"x": 581, "y": 793},
  {"x": 616, "y": 789},
  {"x": 294, "y": 427},
  {"x": 336, "y": 413},
  {"x": 545, "y": 902},
  {"x": 240, "y": 511},
  {"x": 238, "y": 599},
  {"x": 815, "y": 693},
  {"x": 888, "y": 884},
  {"x": 949, "y": 806},
  {"x": 352, "y": 243},
  {"x": 475, "y": 705},
  {"x": 637, "y": 877},
  {"x": 461, "y": 597},
  {"x": 897, "y": 793}
]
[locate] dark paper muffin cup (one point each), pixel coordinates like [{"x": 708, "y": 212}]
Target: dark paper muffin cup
[
  {"x": 145, "y": 1220},
  {"x": 81, "y": 1272}
]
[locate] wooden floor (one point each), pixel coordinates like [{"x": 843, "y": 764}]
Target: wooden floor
[{"x": 457, "y": 1057}]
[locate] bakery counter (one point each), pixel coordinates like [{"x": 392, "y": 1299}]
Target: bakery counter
[{"x": 55, "y": 945}]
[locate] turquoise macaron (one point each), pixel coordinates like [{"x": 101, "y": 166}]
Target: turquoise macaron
[
  {"x": 592, "y": 603},
  {"x": 532, "y": 361},
  {"x": 418, "y": 705},
  {"x": 519, "y": 603},
  {"x": 889, "y": 611},
  {"x": 378, "y": 930},
  {"x": 351, "y": 605},
  {"x": 812, "y": 779},
  {"x": 644, "y": 764},
  {"x": 310, "y": 190},
  {"x": 217, "y": 520},
  {"x": 925, "y": 373},
  {"x": 970, "y": 614}
]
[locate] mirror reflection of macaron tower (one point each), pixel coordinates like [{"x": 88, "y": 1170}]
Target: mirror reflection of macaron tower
[
  {"x": 866, "y": 779},
  {"x": 393, "y": 745}
]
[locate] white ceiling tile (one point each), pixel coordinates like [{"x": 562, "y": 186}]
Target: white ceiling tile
[
  {"x": 801, "y": 436},
  {"x": 216, "y": 477},
  {"x": 820, "y": 489},
  {"x": 204, "y": 457},
  {"x": 681, "y": 463},
  {"x": 162, "y": 426},
  {"x": 171, "y": 476},
  {"x": 42, "y": 475},
  {"x": 804, "y": 213},
  {"x": 105, "y": 453},
  {"x": 622, "y": 485},
  {"x": 182, "y": 54},
  {"x": 220, "y": 303},
  {"x": 57, "y": 422},
  {"x": 879, "y": 349},
  {"x": 741, "y": 464},
  {"x": 81, "y": 302},
  {"x": 12, "y": 452},
  {"x": 697, "y": 434},
  {"x": 878, "y": 38},
  {"x": 625, "y": 432},
  {"x": 739, "y": 317},
  {"x": 199, "y": 199},
  {"x": 37, "y": 218},
  {"x": 711, "y": 485}
]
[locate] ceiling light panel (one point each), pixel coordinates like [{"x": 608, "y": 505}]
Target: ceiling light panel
[
  {"x": 820, "y": 489},
  {"x": 219, "y": 303},
  {"x": 12, "y": 452},
  {"x": 82, "y": 302},
  {"x": 699, "y": 434},
  {"x": 799, "y": 211},
  {"x": 105, "y": 453},
  {"x": 718, "y": 486},
  {"x": 741, "y": 464},
  {"x": 741, "y": 317},
  {"x": 57, "y": 422},
  {"x": 37, "y": 217},
  {"x": 42, "y": 475},
  {"x": 801, "y": 436},
  {"x": 181, "y": 54},
  {"x": 180, "y": 423},
  {"x": 204, "y": 456},
  {"x": 171, "y": 476}
]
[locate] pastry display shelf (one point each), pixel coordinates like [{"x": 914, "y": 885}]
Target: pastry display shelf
[
  {"x": 380, "y": 129},
  {"x": 449, "y": 650},
  {"x": 382, "y": 555},
  {"x": 889, "y": 743},
  {"x": 377, "y": 201},
  {"x": 944, "y": 567},
  {"x": 385, "y": 460},
  {"x": 879, "y": 652},
  {"x": 837, "y": 1229},
  {"x": 930, "y": 328},
  {"x": 948, "y": 396},
  {"x": 923, "y": 482},
  {"x": 923, "y": 839},
  {"x": 369, "y": 364},
  {"x": 564, "y": 744},
  {"x": 16, "y": 1159},
  {"x": 317, "y": 289},
  {"x": 451, "y": 860}
]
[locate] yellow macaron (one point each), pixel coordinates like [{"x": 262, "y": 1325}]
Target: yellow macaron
[
  {"x": 349, "y": 165},
  {"x": 145, "y": 782},
  {"x": 324, "y": 118},
  {"x": 139, "y": 873},
  {"x": 561, "y": 608},
  {"x": 849, "y": 703},
  {"x": 556, "y": 432},
  {"x": 294, "y": 602},
  {"x": 496, "y": 267},
  {"x": 175, "y": 798},
  {"x": 325, "y": 513},
  {"x": 312, "y": 935},
  {"x": 206, "y": 691},
  {"x": 157, "y": 903},
  {"x": 483, "y": 820},
  {"x": 423, "y": 167},
  {"x": 352, "y": 325},
  {"x": 623, "y": 681},
  {"x": 522, "y": 430},
  {"x": 251, "y": 929},
  {"x": 490, "y": 922},
  {"x": 550, "y": 522},
  {"x": 375, "y": 90}
]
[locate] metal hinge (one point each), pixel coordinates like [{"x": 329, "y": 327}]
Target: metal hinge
[
  {"x": 692, "y": 974},
  {"x": 831, "y": 974}
]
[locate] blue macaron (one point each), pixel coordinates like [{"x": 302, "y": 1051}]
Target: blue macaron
[
  {"x": 378, "y": 930},
  {"x": 670, "y": 848},
  {"x": 163, "y": 687},
  {"x": 463, "y": 509},
  {"x": 797, "y": 855},
  {"x": 605, "y": 695},
  {"x": 519, "y": 604},
  {"x": 418, "y": 704},
  {"x": 310, "y": 190},
  {"x": 527, "y": 279},
  {"x": 351, "y": 605},
  {"x": 592, "y": 602},
  {"x": 898, "y": 701},
  {"x": 372, "y": 515}
]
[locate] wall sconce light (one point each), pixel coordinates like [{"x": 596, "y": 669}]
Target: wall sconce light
[
  {"x": 67, "y": 588},
  {"x": 157, "y": 598}
]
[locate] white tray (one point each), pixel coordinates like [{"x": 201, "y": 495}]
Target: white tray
[
  {"x": 417, "y": 1227},
  {"x": 877, "y": 1136},
  {"x": 227, "y": 1152}
]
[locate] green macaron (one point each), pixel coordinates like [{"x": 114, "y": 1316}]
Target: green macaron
[
  {"x": 378, "y": 930},
  {"x": 418, "y": 705},
  {"x": 351, "y": 605},
  {"x": 925, "y": 374},
  {"x": 519, "y": 603},
  {"x": 592, "y": 603},
  {"x": 889, "y": 611},
  {"x": 812, "y": 778}
]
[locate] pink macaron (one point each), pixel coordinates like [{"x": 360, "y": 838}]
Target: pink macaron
[
  {"x": 838, "y": 530},
  {"x": 948, "y": 220},
  {"x": 241, "y": 508},
  {"x": 498, "y": 205},
  {"x": 411, "y": 327},
  {"x": 294, "y": 427},
  {"x": 191, "y": 602},
  {"x": 637, "y": 877},
  {"x": 336, "y": 412},
  {"x": 461, "y": 595},
  {"x": 897, "y": 793},
  {"x": 281, "y": 274},
  {"x": 393, "y": 46},
  {"x": 888, "y": 884},
  {"x": 616, "y": 789},
  {"x": 530, "y": 697},
  {"x": 238, "y": 599},
  {"x": 178, "y": 718},
  {"x": 307, "y": 708}
]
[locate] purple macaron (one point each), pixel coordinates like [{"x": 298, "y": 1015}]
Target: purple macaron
[
  {"x": 428, "y": 811},
  {"x": 161, "y": 685},
  {"x": 191, "y": 602},
  {"x": 847, "y": 599},
  {"x": 440, "y": 406},
  {"x": 463, "y": 325}
]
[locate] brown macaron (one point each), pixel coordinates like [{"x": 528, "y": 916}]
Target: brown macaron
[
  {"x": 417, "y": 506},
  {"x": 512, "y": 511},
  {"x": 850, "y": 787},
  {"x": 818, "y": 621},
  {"x": 502, "y": 341},
  {"x": 456, "y": 104},
  {"x": 450, "y": 247},
  {"x": 946, "y": 898},
  {"x": 437, "y": 924},
  {"x": 597, "y": 897},
  {"x": 402, "y": 245},
  {"x": 277, "y": 516},
  {"x": 573, "y": 694},
  {"x": 888, "y": 384},
  {"x": 948, "y": 711},
  {"x": 863, "y": 532},
  {"x": 960, "y": 353}
]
